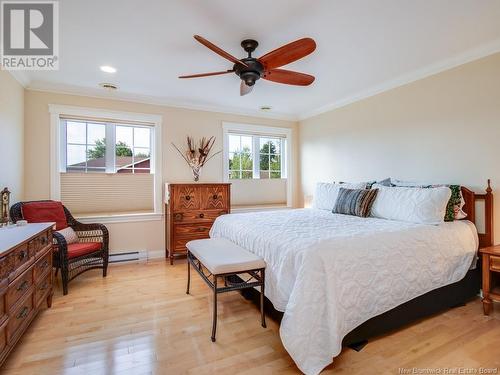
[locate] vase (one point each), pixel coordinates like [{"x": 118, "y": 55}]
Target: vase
[{"x": 196, "y": 173}]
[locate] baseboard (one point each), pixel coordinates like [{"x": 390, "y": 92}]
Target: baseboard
[{"x": 135, "y": 256}]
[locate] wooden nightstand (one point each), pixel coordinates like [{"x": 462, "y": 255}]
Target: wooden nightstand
[{"x": 491, "y": 263}]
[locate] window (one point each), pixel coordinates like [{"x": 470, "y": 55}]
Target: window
[
  {"x": 256, "y": 160},
  {"x": 83, "y": 141},
  {"x": 270, "y": 157},
  {"x": 255, "y": 156},
  {"x": 96, "y": 147},
  {"x": 106, "y": 164},
  {"x": 240, "y": 156}
]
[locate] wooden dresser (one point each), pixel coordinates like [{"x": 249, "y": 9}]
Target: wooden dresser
[
  {"x": 25, "y": 279},
  {"x": 191, "y": 210}
]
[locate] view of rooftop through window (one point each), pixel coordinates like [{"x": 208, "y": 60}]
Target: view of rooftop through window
[{"x": 89, "y": 150}]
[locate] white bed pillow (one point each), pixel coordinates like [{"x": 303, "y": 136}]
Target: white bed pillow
[
  {"x": 326, "y": 193},
  {"x": 414, "y": 205}
]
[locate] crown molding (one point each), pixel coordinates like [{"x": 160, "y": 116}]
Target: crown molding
[
  {"x": 429, "y": 70},
  {"x": 144, "y": 99},
  {"x": 20, "y": 76}
]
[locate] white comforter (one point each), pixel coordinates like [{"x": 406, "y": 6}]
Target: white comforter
[{"x": 330, "y": 273}]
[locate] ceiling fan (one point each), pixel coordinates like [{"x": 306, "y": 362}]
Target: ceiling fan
[{"x": 250, "y": 69}]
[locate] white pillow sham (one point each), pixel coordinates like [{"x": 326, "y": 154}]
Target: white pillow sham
[
  {"x": 414, "y": 205},
  {"x": 326, "y": 193}
]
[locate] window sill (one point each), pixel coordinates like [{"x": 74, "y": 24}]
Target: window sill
[
  {"x": 126, "y": 218},
  {"x": 257, "y": 208}
]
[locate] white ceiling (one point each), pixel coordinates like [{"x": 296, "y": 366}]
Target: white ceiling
[{"x": 363, "y": 47}]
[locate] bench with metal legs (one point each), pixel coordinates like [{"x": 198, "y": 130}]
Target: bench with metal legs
[{"x": 255, "y": 277}]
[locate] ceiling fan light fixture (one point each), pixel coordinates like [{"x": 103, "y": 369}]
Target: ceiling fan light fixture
[{"x": 251, "y": 69}]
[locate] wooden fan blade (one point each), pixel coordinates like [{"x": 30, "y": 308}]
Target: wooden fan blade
[
  {"x": 245, "y": 89},
  {"x": 288, "y": 53},
  {"x": 207, "y": 74},
  {"x": 288, "y": 77},
  {"x": 218, "y": 50}
]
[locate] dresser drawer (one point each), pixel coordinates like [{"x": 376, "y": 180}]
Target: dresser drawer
[
  {"x": 192, "y": 230},
  {"x": 42, "y": 288},
  {"x": 197, "y": 216},
  {"x": 18, "y": 288},
  {"x": 3, "y": 306},
  {"x": 180, "y": 242},
  {"x": 186, "y": 197},
  {"x": 216, "y": 198},
  {"x": 42, "y": 265},
  {"x": 19, "y": 316},
  {"x": 3, "y": 336},
  {"x": 40, "y": 242},
  {"x": 21, "y": 257},
  {"x": 494, "y": 263}
]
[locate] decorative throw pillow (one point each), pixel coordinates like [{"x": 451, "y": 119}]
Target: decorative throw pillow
[
  {"x": 45, "y": 212},
  {"x": 454, "y": 209},
  {"x": 384, "y": 182},
  {"x": 326, "y": 194},
  {"x": 356, "y": 202},
  {"x": 410, "y": 204},
  {"x": 455, "y": 204},
  {"x": 69, "y": 235}
]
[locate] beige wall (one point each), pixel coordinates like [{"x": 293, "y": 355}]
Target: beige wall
[
  {"x": 11, "y": 135},
  {"x": 177, "y": 123},
  {"x": 442, "y": 129}
]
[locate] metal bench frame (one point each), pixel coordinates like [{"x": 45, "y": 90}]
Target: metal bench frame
[{"x": 257, "y": 278}]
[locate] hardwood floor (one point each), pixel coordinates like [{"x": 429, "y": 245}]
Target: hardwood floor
[{"x": 140, "y": 321}]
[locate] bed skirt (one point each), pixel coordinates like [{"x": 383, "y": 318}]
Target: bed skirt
[{"x": 431, "y": 303}]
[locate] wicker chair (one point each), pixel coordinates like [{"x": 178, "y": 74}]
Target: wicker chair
[{"x": 71, "y": 266}]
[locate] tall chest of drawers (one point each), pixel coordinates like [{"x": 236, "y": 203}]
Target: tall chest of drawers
[
  {"x": 25, "y": 279},
  {"x": 191, "y": 210}
]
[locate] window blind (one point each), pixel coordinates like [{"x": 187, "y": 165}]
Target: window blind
[{"x": 101, "y": 193}]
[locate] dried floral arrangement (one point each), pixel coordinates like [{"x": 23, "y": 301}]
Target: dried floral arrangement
[{"x": 196, "y": 157}]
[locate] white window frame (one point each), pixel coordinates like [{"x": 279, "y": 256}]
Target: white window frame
[
  {"x": 263, "y": 131},
  {"x": 56, "y": 163}
]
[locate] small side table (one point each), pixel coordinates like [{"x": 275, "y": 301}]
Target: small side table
[{"x": 491, "y": 263}]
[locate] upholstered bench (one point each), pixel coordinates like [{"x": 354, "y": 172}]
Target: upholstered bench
[{"x": 218, "y": 258}]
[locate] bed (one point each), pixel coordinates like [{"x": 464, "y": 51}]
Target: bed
[{"x": 332, "y": 275}]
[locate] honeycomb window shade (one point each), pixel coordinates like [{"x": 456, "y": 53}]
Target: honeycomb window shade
[{"x": 100, "y": 193}]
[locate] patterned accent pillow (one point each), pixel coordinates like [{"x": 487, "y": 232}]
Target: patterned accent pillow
[
  {"x": 69, "y": 235},
  {"x": 357, "y": 202},
  {"x": 455, "y": 204}
]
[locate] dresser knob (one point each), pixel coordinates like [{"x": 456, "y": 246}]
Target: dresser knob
[
  {"x": 215, "y": 196},
  {"x": 23, "y": 254},
  {"x": 188, "y": 197},
  {"x": 202, "y": 216},
  {"x": 178, "y": 217},
  {"x": 23, "y": 314},
  {"x": 23, "y": 286}
]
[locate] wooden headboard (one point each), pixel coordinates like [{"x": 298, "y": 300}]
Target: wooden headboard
[{"x": 486, "y": 238}]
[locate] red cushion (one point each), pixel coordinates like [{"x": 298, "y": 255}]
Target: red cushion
[
  {"x": 78, "y": 249},
  {"x": 42, "y": 212}
]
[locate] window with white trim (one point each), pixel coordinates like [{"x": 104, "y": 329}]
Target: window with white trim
[
  {"x": 106, "y": 163},
  {"x": 254, "y": 156},
  {"x": 256, "y": 160},
  {"x": 98, "y": 147}
]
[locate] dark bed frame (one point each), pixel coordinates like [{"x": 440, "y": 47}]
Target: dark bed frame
[{"x": 433, "y": 302}]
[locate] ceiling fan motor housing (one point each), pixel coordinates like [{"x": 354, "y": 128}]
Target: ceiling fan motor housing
[{"x": 250, "y": 73}]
